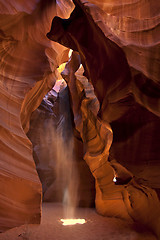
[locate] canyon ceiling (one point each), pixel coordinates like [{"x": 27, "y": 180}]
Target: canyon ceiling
[{"x": 115, "y": 99}]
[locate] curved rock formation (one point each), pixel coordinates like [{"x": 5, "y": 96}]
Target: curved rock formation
[
  {"x": 110, "y": 80},
  {"x": 26, "y": 75},
  {"x": 137, "y": 33},
  {"x": 110, "y": 100},
  {"x": 124, "y": 36},
  {"x": 56, "y": 147},
  {"x": 128, "y": 198},
  {"x": 119, "y": 96}
]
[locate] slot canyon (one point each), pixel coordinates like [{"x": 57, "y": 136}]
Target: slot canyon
[{"x": 79, "y": 119}]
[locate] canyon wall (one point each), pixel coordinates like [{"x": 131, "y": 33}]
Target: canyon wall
[
  {"x": 124, "y": 91},
  {"x": 27, "y": 72},
  {"x": 119, "y": 47}
]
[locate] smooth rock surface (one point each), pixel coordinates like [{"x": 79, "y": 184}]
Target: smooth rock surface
[{"x": 128, "y": 91}]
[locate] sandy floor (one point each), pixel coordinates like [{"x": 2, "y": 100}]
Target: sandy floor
[{"x": 96, "y": 227}]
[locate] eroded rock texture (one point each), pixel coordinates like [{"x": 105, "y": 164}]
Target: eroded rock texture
[
  {"x": 57, "y": 147},
  {"x": 118, "y": 43},
  {"x": 26, "y": 75},
  {"x": 119, "y": 88},
  {"x": 128, "y": 198}
]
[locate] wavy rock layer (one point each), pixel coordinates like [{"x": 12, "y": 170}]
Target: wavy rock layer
[
  {"x": 134, "y": 26},
  {"x": 115, "y": 89},
  {"x": 28, "y": 62},
  {"x": 128, "y": 198},
  {"x": 119, "y": 88},
  {"x": 56, "y": 147},
  {"x": 20, "y": 186}
]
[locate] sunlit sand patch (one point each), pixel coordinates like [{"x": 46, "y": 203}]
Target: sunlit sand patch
[{"x": 66, "y": 222}]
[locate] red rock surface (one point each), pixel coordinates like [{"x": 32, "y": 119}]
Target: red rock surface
[
  {"x": 26, "y": 76},
  {"x": 127, "y": 42},
  {"x": 129, "y": 198}
]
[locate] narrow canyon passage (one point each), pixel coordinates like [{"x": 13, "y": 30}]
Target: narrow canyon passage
[
  {"x": 79, "y": 119},
  {"x": 58, "y": 152}
]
